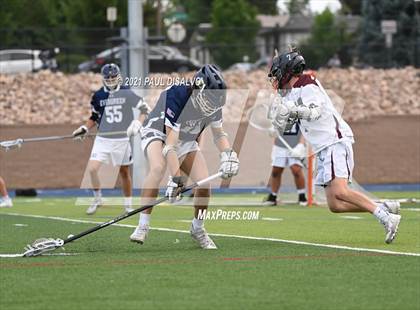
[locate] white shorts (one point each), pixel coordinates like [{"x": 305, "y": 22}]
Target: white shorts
[
  {"x": 118, "y": 151},
  {"x": 280, "y": 157},
  {"x": 182, "y": 148},
  {"x": 336, "y": 161}
]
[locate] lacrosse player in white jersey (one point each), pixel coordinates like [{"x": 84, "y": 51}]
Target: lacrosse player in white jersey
[{"x": 303, "y": 100}]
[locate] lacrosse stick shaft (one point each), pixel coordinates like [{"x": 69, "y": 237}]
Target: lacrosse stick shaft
[
  {"x": 126, "y": 215},
  {"x": 17, "y": 142},
  {"x": 39, "y": 139}
]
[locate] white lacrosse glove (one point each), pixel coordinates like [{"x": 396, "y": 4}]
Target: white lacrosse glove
[
  {"x": 134, "y": 128},
  {"x": 80, "y": 132},
  {"x": 299, "y": 151},
  {"x": 229, "y": 164},
  {"x": 174, "y": 187}
]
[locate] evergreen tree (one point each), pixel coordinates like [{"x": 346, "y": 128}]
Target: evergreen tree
[
  {"x": 372, "y": 49},
  {"x": 234, "y": 28},
  {"x": 328, "y": 37}
]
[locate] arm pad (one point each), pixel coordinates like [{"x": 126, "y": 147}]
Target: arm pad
[
  {"x": 218, "y": 135},
  {"x": 310, "y": 113}
]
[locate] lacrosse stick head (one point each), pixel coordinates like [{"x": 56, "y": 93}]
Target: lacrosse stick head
[
  {"x": 11, "y": 144},
  {"x": 42, "y": 245},
  {"x": 259, "y": 118},
  {"x": 262, "y": 117}
]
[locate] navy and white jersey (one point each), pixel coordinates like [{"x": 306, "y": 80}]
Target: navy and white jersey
[
  {"x": 113, "y": 110},
  {"x": 291, "y": 136},
  {"x": 175, "y": 110}
]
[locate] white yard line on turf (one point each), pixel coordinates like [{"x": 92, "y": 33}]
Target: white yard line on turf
[
  {"x": 10, "y": 255},
  {"x": 47, "y": 254},
  {"x": 322, "y": 245}
]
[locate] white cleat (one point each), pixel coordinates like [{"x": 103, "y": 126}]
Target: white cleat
[
  {"x": 140, "y": 234},
  {"x": 391, "y": 227},
  {"x": 392, "y": 206},
  {"x": 97, "y": 202},
  {"x": 6, "y": 203},
  {"x": 201, "y": 236}
]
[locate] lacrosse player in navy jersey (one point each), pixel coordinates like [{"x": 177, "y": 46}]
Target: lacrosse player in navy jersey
[
  {"x": 281, "y": 158},
  {"x": 112, "y": 111},
  {"x": 169, "y": 139}
]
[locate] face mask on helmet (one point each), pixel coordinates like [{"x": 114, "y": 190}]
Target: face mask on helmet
[
  {"x": 111, "y": 76},
  {"x": 208, "y": 101}
]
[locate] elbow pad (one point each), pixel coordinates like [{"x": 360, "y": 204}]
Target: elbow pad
[{"x": 219, "y": 135}]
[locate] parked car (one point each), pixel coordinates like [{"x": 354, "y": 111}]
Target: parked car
[
  {"x": 26, "y": 60},
  {"x": 241, "y": 66},
  {"x": 161, "y": 59},
  {"x": 263, "y": 63}
]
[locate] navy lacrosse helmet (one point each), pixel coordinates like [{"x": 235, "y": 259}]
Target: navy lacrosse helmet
[
  {"x": 210, "y": 86},
  {"x": 285, "y": 66},
  {"x": 111, "y": 76}
]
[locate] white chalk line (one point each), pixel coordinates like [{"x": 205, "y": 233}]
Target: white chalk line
[
  {"x": 46, "y": 254},
  {"x": 296, "y": 242}
]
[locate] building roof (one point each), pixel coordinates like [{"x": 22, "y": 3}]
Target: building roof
[{"x": 271, "y": 21}]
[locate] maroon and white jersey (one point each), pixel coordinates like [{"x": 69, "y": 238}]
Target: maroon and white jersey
[{"x": 330, "y": 127}]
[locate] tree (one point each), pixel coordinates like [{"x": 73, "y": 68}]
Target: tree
[
  {"x": 267, "y": 7},
  {"x": 234, "y": 28},
  {"x": 197, "y": 11},
  {"x": 295, "y": 7},
  {"x": 328, "y": 37},
  {"x": 372, "y": 50},
  {"x": 353, "y": 7}
]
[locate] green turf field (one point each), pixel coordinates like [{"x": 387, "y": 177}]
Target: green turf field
[{"x": 257, "y": 269}]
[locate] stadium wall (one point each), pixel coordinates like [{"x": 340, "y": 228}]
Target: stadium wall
[{"x": 386, "y": 151}]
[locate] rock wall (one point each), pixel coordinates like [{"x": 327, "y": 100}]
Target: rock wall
[{"x": 56, "y": 98}]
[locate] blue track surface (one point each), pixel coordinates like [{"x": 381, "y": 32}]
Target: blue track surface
[{"x": 77, "y": 192}]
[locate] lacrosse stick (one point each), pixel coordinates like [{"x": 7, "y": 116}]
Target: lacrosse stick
[
  {"x": 17, "y": 143},
  {"x": 257, "y": 117},
  {"x": 43, "y": 245}
]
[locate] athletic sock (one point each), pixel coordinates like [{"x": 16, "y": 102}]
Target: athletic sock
[
  {"x": 274, "y": 194},
  {"x": 301, "y": 191},
  {"x": 128, "y": 201},
  {"x": 196, "y": 223},
  {"x": 144, "y": 219},
  {"x": 381, "y": 214},
  {"x": 97, "y": 193}
]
